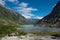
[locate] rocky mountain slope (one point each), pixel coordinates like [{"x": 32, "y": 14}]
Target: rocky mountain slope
[
  {"x": 8, "y": 16},
  {"x": 52, "y": 19}
]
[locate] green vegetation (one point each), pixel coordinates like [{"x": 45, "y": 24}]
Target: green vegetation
[
  {"x": 23, "y": 23},
  {"x": 21, "y": 32},
  {"x": 7, "y": 29},
  {"x": 10, "y": 28},
  {"x": 10, "y": 21},
  {"x": 45, "y": 33}
]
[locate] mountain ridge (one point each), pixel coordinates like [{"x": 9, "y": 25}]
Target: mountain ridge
[
  {"x": 10, "y": 16},
  {"x": 52, "y": 19}
]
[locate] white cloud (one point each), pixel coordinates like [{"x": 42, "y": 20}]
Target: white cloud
[
  {"x": 2, "y": 2},
  {"x": 12, "y": 0},
  {"x": 38, "y": 17},
  {"x": 28, "y": 15},
  {"x": 23, "y": 4},
  {"x": 25, "y": 10}
]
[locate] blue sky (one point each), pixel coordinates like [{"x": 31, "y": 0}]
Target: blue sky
[{"x": 30, "y": 8}]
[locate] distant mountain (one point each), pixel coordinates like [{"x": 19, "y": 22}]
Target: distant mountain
[
  {"x": 53, "y": 19},
  {"x": 8, "y": 16},
  {"x": 33, "y": 21}
]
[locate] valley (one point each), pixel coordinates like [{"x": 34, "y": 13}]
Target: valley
[{"x": 14, "y": 26}]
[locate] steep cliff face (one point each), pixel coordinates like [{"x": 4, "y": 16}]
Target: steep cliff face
[
  {"x": 53, "y": 19},
  {"x": 8, "y": 16}
]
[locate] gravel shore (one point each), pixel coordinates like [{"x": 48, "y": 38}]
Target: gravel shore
[{"x": 31, "y": 37}]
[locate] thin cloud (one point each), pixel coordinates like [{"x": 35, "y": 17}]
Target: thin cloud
[
  {"x": 12, "y": 0},
  {"x": 23, "y": 4},
  {"x": 25, "y": 10},
  {"x": 38, "y": 17},
  {"x": 2, "y": 2}
]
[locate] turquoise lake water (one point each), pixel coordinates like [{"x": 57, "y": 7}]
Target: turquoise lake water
[{"x": 32, "y": 28}]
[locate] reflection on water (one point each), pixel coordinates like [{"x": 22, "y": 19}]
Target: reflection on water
[{"x": 31, "y": 28}]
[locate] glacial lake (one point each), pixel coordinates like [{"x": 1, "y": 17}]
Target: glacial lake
[{"x": 32, "y": 28}]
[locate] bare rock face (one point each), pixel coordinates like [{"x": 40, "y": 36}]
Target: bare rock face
[{"x": 52, "y": 19}]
